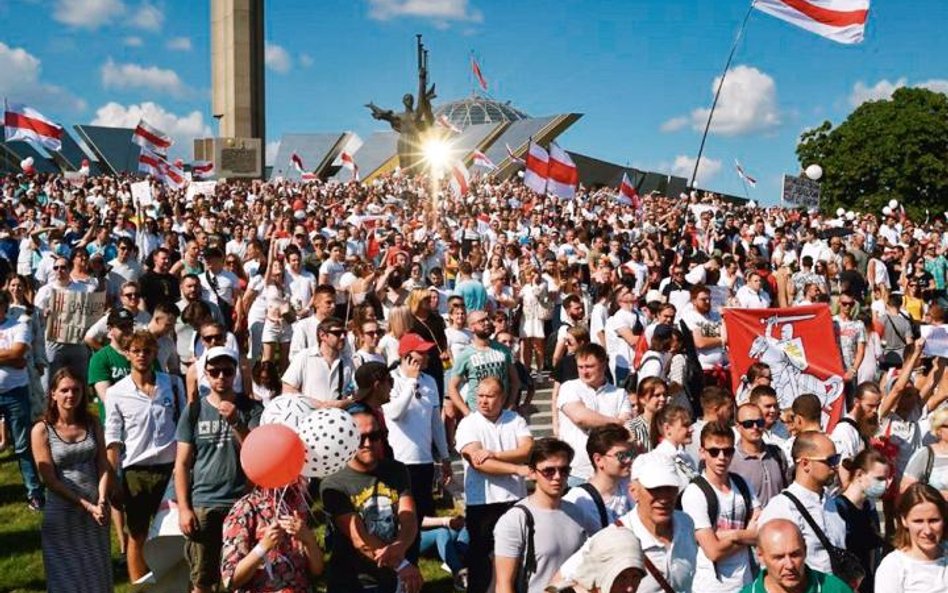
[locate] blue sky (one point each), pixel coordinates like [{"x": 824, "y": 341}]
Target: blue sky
[{"x": 640, "y": 70}]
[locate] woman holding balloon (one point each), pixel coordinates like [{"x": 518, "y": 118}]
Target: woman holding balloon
[{"x": 269, "y": 545}]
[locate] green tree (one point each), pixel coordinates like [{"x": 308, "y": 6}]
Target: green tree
[{"x": 891, "y": 149}]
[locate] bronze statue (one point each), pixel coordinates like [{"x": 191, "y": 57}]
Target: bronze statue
[{"x": 413, "y": 123}]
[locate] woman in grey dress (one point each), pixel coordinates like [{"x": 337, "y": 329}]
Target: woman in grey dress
[{"x": 70, "y": 456}]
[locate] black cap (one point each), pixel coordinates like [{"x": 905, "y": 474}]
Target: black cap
[
  {"x": 120, "y": 316},
  {"x": 366, "y": 376}
]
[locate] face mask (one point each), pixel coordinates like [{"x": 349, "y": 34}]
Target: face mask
[{"x": 875, "y": 489}]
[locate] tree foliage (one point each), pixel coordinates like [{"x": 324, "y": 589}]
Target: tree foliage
[{"x": 889, "y": 149}]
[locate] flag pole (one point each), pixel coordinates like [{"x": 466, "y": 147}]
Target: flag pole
[
  {"x": 717, "y": 93},
  {"x": 746, "y": 193}
]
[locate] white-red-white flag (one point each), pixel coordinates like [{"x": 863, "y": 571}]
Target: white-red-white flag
[
  {"x": 151, "y": 138},
  {"x": 202, "y": 169},
  {"x": 513, "y": 158},
  {"x": 481, "y": 160},
  {"x": 347, "y": 162},
  {"x": 743, "y": 174},
  {"x": 156, "y": 166},
  {"x": 24, "y": 123},
  {"x": 843, "y": 21},
  {"x": 460, "y": 179},
  {"x": 443, "y": 121},
  {"x": 476, "y": 69},
  {"x": 563, "y": 174},
  {"x": 628, "y": 194},
  {"x": 297, "y": 162},
  {"x": 537, "y": 168}
]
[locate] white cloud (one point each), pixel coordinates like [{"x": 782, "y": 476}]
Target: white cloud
[
  {"x": 179, "y": 44},
  {"x": 135, "y": 76},
  {"x": 133, "y": 41},
  {"x": 87, "y": 14},
  {"x": 883, "y": 89},
  {"x": 148, "y": 17},
  {"x": 306, "y": 60},
  {"x": 441, "y": 11},
  {"x": 184, "y": 129},
  {"x": 20, "y": 81},
  {"x": 675, "y": 124},
  {"x": 271, "y": 152},
  {"x": 684, "y": 166},
  {"x": 748, "y": 104},
  {"x": 277, "y": 58}
]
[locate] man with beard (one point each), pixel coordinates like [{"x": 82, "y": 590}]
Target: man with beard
[
  {"x": 573, "y": 314},
  {"x": 484, "y": 357},
  {"x": 853, "y": 431},
  {"x": 782, "y": 552}
]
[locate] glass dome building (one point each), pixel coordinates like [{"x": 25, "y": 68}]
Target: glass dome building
[{"x": 479, "y": 110}]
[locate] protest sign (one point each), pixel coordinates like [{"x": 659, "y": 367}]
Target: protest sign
[
  {"x": 201, "y": 187},
  {"x": 793, "y": 343},
  {"x": 141, "y": 194},
  {"x": 800, "y": 191},
  {"x": 936, "y": 340},
  {"x": 71, "y": 314}
]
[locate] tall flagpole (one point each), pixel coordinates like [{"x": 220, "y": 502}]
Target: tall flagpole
[{"x": 717, "y": 93}]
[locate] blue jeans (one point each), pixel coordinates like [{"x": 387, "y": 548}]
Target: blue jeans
[
  {"x": 451, "y": 545},
  {"x": 15, "y": 407}
]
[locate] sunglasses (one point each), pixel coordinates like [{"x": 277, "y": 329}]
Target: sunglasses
[
  {"x": 831, "y": 461},
  {"x": 336, "y": 332},
  {"x": 717, "y": 451},
  {"x": 216, "y": 373},
  {"x": 622, "y": 456},
  {"x": 60, "y": 268},
  {"x": 371, "y": 437},
  {"x": 549, "y": 472},
  {"x": 213, "y": 338},
  {"x": 374, "y": 332},
  {"x": 756, "y": 423},
  {"x": 131, "y": 295}
]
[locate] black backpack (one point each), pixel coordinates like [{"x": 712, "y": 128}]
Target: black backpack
[
  {"x": 714, "y": 510},
  {"x": 600, "y": 503},
  {"x": 529, "y": 566}
]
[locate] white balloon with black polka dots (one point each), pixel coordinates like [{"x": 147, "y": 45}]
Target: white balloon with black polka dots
[
  {"x": 331, "y": 439},
  {"x": 288, "y": 410}
]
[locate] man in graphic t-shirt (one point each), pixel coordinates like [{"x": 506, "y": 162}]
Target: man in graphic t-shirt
[
  {"x": 484, "y": 357},
  {"x": 369, "y": 501}
]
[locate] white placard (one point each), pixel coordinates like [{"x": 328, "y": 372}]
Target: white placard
[
  {"x": 936, "y": 340},
  {"x": 201, "y": 187},
  {"x": 141, "y": 194}
]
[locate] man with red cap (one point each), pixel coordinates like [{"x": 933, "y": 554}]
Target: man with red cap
[{"x": 413, "y": 419}]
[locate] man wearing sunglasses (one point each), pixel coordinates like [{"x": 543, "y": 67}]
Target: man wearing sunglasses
[
  {"x": 373, "y": 516},
  {"x": 816, "y": 464},
  {"x": 558, "y": 528},
  {"x": 130, "y": 298},
  {"x": 208, "y": 479},
  {"x": 605, "y": 498},
  {"x": 323, "y": 373},
  {"x": 724, "y": 511},
  {"x": 762, "y": 465}
]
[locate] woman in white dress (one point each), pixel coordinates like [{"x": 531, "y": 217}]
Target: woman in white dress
[
  {"x": 919, "y": 563},
  {"x": 534, "y": 303}
]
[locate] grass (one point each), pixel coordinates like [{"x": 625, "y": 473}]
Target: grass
[{"x": 21, "y": 559}]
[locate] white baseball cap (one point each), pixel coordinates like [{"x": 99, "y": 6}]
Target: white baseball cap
[
  {"x": 655, "y": 470},
  {"x": 611, "y": 551},
  {"x": 221, "y": 352}
]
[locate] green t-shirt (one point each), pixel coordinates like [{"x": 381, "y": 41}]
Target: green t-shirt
[
  {"x": 817, "y": 582},
  {"x": 217, "y": 480},
  {"x": 374, "y": 497},
  {"x": 473, "y": 364},
  {"x": 108, "y": 364}
]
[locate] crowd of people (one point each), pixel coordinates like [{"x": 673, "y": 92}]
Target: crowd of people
[{"x": 434, "y": 328}]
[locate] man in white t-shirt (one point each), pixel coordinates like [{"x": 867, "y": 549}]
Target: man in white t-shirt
[
  {"x": 588, "y": 402},
  {"x": 605, "y": 497},
  {"x": 332, "y": 270},
  {"x": 495, "y": 444},
  {"x": 752, "y": 295},
  {"x": 574, "y": 312},
  {"x": 724, "y": 509},
  {"x": 853, "y": 430},
  {"x": 15, "y": 340},
  {"x": 302, "y": 284},
  {"x": 707, "y": 328}
]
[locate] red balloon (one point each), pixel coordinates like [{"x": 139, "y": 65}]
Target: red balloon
[{"x": 272, "y": 456}]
